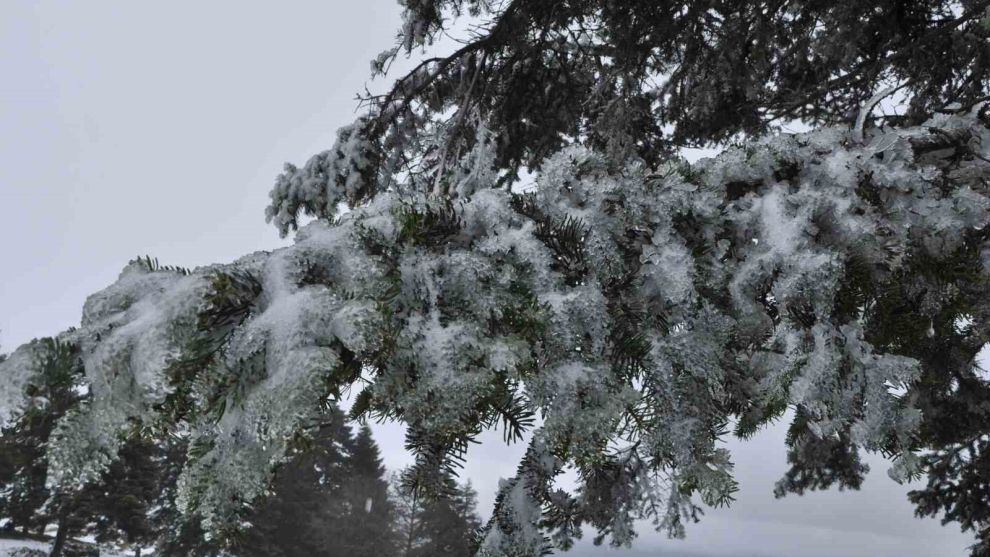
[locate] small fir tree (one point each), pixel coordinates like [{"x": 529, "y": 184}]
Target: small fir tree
[
  {"x": 366, "y": 527},
  {"x": 123, "y": 498},
  {"x": 427, "y": 525},
  {"x": 57, "y": 388},
  {"x": 304, "y": 513}
]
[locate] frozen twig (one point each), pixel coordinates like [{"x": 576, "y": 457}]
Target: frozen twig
[{"x": 864, "y": 112}]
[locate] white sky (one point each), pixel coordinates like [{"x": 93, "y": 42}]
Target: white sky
[{"x": 131, "y": 128}]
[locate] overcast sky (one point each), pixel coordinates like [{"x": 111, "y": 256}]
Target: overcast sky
[{"x": 131, "y": 128}]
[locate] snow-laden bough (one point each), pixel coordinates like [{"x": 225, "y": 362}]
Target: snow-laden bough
[{"x": 635, "y": 310}]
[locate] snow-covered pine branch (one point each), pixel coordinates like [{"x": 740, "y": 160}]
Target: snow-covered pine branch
[{"x": 637, "y": 310}]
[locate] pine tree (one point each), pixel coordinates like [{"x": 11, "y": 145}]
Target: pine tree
[
  {"x": 26, "y": 501},
  {"x": 639, "y": 304},
  {"x": 426, "y": 524},
  {"x": 22, "y": 474},
  {"x": 449, "y": 525},
  {"x": 303, "y": 514},
  {"x": 408, "y": 508},
  {"x": 329, "y": 499},
  {"x": 73, "y": 511},
  {"x": 123, "y": 498},
  {"x": 176, "y": 534},
  {"x": 117, "y": 508},
  {"x": 469, "y": 524},
  {"x": 366, "y": 526}
]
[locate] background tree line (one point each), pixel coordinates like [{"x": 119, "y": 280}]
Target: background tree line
[{"x": 332, "y": 497}]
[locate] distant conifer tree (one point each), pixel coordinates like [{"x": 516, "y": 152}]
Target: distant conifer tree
[
  {"x": 23, "y": 464},
  {"x": 177, "y": 534},
  {"x": 301, "y": 514},
  {"x": 366, "y": 527},
  {"x": 122, "y": 500},
  {"x": 445, "y": 525}
]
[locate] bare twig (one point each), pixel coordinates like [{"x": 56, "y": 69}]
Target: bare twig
[{"x": 864, "y": 112}]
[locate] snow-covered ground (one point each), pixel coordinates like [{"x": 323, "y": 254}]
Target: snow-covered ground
[
  {"x": 17, "y": 548},
  {"x": 9, "y": 548}
]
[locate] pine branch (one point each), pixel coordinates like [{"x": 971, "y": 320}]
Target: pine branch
[
  {"x": 431, "y": 225},
  {"x": 153, "y": 266},
  {"x": 565, "y": 237}
]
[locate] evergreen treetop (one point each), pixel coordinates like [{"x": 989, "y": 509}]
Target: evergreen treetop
[{"x": 442, "y": 524}]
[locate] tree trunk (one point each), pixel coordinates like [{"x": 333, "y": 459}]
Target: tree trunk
[
  {"x": 137, "y": 551},
  {"x": 60, "y": 537}
]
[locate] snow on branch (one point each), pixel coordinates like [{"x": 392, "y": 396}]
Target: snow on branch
[{"x": 636, "y": 309}]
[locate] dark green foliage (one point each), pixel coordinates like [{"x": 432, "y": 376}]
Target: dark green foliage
[
  {"x": 526, "y": 318},
  {"x": 23, "y": 465},
  {"x": 430, "y": 225},
  {"x": 71, "y": 512},
  {"x": 436, "y": 458},
  {"x": 449, "y": 525},
  {"x": 152, "y": 266},
  {"x": 630, "y": 348},
  {"x": 178, "y": 534},
  {"x": 753, "y": 418},
  {"x": 439, "y": 457},
  {"x": 534, "y": 475},
  {"x": 228, "y": 303},
  {"x": 922, "y": 312},
  {"x": 116, "y": 509},
  {"x": 541, "y": 73},
  {"x": 446, "y": 525},
  {"x": 366, "y": 527},
  {"x": 818, "y": 463},
  {"x": 565, "y": 236},
  {"x": 319, "y": 500},
  {"x": 631, "y": 80},
  {"x": 958, "y": 488},
  {"x": 509, "y": 410},
  {"x": 600, "y": 480},
  {"x": 299, "y": 516},
  {"x": 916, "y": 312},
  {"x": 854, "y": 291},
  {"x": 527, "y": 204},
  {"x": 123, "y": 498},
  {"x": 231, "y": 297}
]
